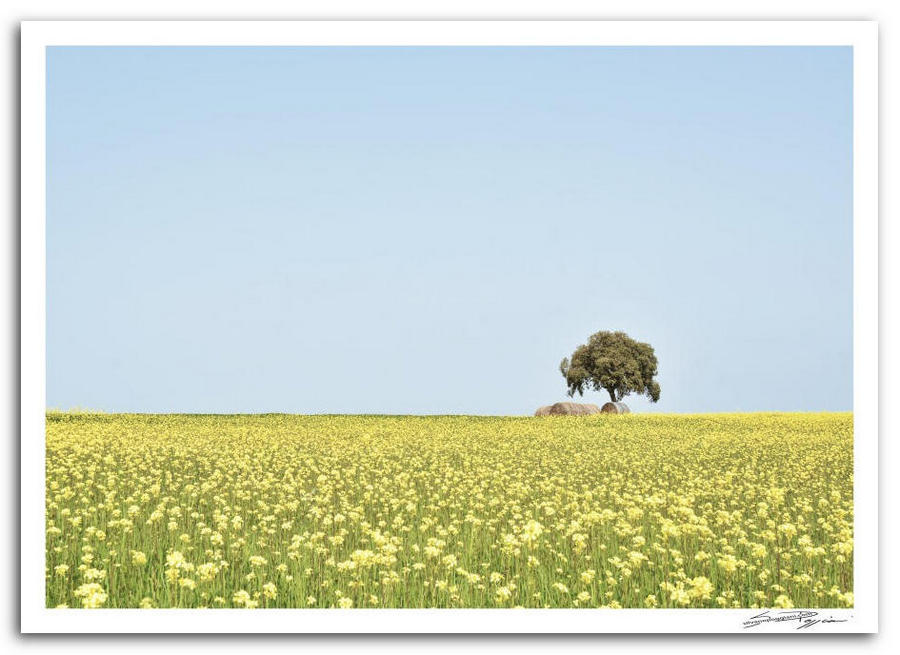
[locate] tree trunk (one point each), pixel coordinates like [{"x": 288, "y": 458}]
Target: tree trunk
[{"x": 612, "y": 394}]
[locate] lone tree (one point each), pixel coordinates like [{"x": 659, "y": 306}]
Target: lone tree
[{"x": 615, "y": 362}]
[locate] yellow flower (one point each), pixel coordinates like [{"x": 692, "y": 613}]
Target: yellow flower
[
  {"x": 788, "y": 530},
  {"x": 175, "y": 560},
  {"x": 207, "y": 571},
  {"x": 503, "y": 594},
  {"x": 701, "y": 588},
  {"x": 727, "y": 563},
  {"x": 680, "y": 597},
  {"x": 532, "y": 531},
  {"x": 92, "y": 595}
]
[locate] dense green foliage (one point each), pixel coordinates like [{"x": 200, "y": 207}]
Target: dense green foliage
[{"x": 614, "y": 362}]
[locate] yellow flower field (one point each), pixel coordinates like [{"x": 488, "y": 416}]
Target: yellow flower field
[{"x": 716, "y": 510}]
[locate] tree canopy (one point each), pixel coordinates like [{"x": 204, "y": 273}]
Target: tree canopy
[{"x": 614, "y": 362}]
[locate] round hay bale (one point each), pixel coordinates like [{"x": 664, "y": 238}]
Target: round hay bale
[
  {"x": 543, "y": 411},
  {"x": 615, "y": 408},
  {"x": 573, "y": 409}
]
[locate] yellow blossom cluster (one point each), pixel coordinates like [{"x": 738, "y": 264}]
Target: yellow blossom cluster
[{"x": 256, "y": 511}]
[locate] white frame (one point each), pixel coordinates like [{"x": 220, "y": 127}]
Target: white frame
[{"x": 36, "y": 35}]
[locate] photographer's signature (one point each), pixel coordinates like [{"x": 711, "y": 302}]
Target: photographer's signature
[{"x": 804, "y": 618}]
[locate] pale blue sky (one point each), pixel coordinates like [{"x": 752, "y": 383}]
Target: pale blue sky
[{"x": 430, "y": 230}]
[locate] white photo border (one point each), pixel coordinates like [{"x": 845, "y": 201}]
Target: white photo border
[{"x": 37, "y": 35}]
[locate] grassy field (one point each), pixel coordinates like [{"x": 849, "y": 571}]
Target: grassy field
[{"x": 737, "y": 510}]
